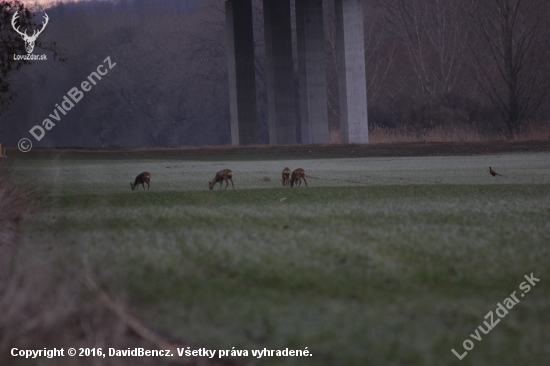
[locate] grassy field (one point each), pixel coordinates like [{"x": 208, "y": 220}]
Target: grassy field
[{"x": 380, "y": 261}]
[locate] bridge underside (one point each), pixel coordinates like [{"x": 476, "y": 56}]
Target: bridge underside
[{"x": 284, "y": 126}]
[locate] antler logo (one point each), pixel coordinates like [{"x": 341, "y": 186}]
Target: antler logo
[{"x": 29, "y": 40}]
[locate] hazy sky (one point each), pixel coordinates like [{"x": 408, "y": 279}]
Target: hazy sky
[{"x": 47, "y": 2}]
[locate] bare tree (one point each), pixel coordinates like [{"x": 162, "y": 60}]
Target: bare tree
[
  {"x": 379, "y": 52},
  {"x": 434, "y": 37},
  {"x": 510, "y": 60}
]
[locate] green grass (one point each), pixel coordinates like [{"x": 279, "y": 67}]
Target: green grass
[{"x": 379, "y": 262}]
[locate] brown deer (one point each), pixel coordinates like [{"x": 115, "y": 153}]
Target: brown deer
[
  {"x": 286, "y": 177},
  {"x": 141, "y": 179},
  {"x": 221, "y": 176},
  {"x": 297, "y": 176}
]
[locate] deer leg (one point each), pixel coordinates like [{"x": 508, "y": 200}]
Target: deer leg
[
  {"x": 305, "y": 181},
  {"x": 226, "y": 183},
  {"x": 232, "y": 185},
  {"x": 147, "y": 185}
]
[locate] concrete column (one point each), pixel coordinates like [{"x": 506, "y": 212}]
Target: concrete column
[
  {"x": 351, "y": 71},
  {"x": 242, "y": 83},
  {"x": 302, "y": 75},
  {"x": 311, "y": 69},
  {"x": 280, "y": 83}
]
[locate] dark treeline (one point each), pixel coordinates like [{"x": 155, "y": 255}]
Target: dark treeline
[{"x": 430, "y": 63}]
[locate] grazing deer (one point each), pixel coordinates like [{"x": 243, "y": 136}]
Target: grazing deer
[
  {"x": 141, "y": 179},
  {"x": 286, "y": 177},
  {"x": 297, "y": 176},
  {"x": 221, "y": 176}
]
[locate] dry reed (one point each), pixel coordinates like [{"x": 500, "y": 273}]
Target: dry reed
[{"x": 530, "y": 131}]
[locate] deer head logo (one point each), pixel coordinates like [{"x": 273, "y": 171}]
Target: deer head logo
[{"x": 29, "y": 40}]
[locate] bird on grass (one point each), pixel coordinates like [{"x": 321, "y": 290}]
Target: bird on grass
[{"x": 493, "y": 173}]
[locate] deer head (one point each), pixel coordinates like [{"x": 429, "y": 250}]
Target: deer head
[{"x": 29, "y": 40}]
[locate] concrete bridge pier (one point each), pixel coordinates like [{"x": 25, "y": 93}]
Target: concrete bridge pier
[
  {"x": 283, "y": 127},
  {"x": 351, "y": 71},
  {"x": 280, "y": 78},
  {"x": 242, "y": 82},
  {"x": 311, "y": 71}
]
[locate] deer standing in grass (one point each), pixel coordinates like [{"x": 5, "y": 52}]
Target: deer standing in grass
[
  {"x": 221, "y": 176},
  {"x": 141, "y": 179},
  {"x": 286, "y": 177},
  {"x": 297, "y": 176}
]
